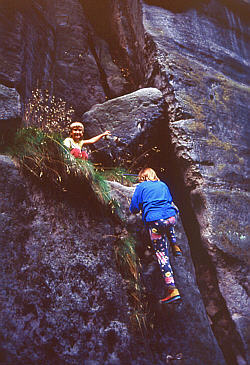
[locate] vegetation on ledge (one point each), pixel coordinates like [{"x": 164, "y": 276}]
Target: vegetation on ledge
[{"x": 45, "y": 159}]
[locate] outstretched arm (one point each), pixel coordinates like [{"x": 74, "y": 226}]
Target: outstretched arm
[{"x": 96, "y": 138}]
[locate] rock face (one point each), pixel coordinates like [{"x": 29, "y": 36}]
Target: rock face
[
  {"x": 134, "y": 120},
  {"x": 204, "y": 65},
  {"x": 77, "y": 75},
  {"x": 119, "y": 22},
  {"x": 10, "y": 112},
  {"x": 63, "y": 300},
  {"x": 194, "y": 55},
  {"x": 50, "y": 45},
  {"x": 10, "y": 107},
  {"x": 27, "y": 45}
]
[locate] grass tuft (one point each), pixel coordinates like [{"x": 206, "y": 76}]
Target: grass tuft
[
  {"x": 129, "y": 266},
  {"x": 45, "y": 159}
]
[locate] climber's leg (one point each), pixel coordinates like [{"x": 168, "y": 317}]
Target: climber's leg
[
  {"x": 171, "y": 235},
  {"x": 157, "y": 232}
]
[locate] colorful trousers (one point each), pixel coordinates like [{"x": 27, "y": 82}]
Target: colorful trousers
[{"x": 160, "y": 231}]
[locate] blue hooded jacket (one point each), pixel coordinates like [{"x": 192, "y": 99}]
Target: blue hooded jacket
[{"x": 153, "y": 198}]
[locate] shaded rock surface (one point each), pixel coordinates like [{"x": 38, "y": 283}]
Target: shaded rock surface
[
  {"x": 170, "y": 323},
  {"x": 63, "y": 300},
  {"x": 196, "y": 54},
  {"x": 50, "y": 45},
  {"x": 119, "y": 23},
  {"x": 27, "y": 45},
  {"x": 10, "y": 107},
  {"x": 134, "y": 121},
  {"x": 10, "y": 113},
  {"x": 199, "y": 59},
  {"x": 77, "y": 76}
]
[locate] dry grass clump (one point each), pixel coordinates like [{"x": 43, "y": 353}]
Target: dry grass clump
[
  {"x": 129, "y": 266},
  {"x": 47, "y": 112},
  {"x": 41, "y": 155},
  {"x": 48, "y": 162},
  {"x": 118, "y": 174}
]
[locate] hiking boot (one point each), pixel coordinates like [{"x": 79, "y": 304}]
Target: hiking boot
[
  {"x": 172, "y": 295},
  {"x": 177, "y": 250}
]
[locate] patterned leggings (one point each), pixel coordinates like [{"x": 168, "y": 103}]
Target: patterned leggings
[{"x": 159, "y": 232}]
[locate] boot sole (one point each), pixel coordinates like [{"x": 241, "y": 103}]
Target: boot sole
[
  {"x": 177, "y": 254},
  {"x": 174, "y": 299}
]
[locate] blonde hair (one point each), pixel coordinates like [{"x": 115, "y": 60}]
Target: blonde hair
[
  {"x": 147, "y": 174},
  {"x": 76, "y": 124}
]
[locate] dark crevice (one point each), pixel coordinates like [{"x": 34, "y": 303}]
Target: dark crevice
[
  {"x": 206, "y": 276},
  {"x": 4, "y": 80},
  {"x": 103, "y": 76},
  {"x": 109, "y": 26},
  {"x": 222, "y": 324},
  {"x": 160, "y": 79},
  {"x": 204, "y": 163},
  {"x": 8, "y": 129}
]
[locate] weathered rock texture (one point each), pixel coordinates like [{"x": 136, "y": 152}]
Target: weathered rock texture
[
  {"x": 10, "y": 112},
  {"x": 63, "y": 299},
  {"x": 196, "y": 54},
  {"x": 135, "y": 122},
  {"x": 27, "y": 45},
  {"x": 26, "y": 54},
  {"x": 51, "y": 45},
  {"x": 119, "y": 22},
  {"x": 77, "y": 76},
  {"x": 199, "y": 60}
]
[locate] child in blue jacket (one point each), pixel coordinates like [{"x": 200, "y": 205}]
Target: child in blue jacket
[{"x": 152, "y": 197}]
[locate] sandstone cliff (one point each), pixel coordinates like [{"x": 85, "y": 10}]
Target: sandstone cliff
[{"x": 61, "y": 286}]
